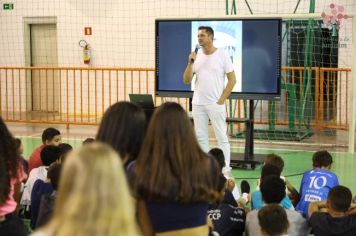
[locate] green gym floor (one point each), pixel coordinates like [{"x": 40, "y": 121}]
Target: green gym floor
[{"x": 296, "y": 161}]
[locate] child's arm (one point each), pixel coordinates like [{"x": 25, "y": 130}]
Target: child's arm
[
  {"x": 316, "y": 207},
  {"x": 230, "y": 184},
  {"x": 292, "y": 190},
  {"x": 258, "y": 183},
  {"x": 352, "y": 210}
]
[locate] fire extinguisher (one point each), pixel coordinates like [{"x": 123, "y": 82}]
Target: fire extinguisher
[
  {"x": 86, "y": 51},
  {"x": 86, "y": 54}
]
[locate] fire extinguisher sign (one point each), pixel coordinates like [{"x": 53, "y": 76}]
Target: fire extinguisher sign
[{"x": 87, "y": 31}]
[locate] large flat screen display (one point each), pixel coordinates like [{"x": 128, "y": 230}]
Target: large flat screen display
[{"x": 254, "y": 46}]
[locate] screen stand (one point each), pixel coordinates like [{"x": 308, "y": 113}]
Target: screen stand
[{"x": 248, "y": 159}]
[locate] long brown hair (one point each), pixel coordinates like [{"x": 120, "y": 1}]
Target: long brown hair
[
  {"x": 123, "y": 127},
  {"x": 9, "y": 161},
  {"x": 171, "y": 165}
]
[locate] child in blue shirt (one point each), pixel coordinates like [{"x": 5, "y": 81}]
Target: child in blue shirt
[
  {"x": 316, "y": 183},
  {"x": 256, "y": 197}
]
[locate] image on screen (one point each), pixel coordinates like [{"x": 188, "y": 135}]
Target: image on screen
[{"x": 227, "y": 37}]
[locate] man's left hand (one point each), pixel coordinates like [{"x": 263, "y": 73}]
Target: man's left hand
[{"x": 220, "y": 102}]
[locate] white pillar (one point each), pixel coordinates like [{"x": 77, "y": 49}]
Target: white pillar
[{"x": 353, "y": 90}]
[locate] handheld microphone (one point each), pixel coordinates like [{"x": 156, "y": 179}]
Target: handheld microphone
[{"x": 196, "y": 51}]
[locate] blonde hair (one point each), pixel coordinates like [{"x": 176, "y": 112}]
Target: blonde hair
[{"x": 93, "y": 197}]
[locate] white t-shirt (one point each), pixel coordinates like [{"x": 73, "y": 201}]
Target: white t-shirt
[
  {"x": 35, "y": 174},
  {"x": 210, "y": 73}
]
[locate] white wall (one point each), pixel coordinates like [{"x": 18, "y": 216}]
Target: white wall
[{"x": 123, "y": 31}]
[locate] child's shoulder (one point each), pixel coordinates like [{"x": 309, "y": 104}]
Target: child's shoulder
[{"x": 309, "y": 174}]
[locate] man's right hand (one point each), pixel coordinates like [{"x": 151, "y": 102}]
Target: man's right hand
[
  {"x": 188, "y": 73},
  {"x": 192, "y": 57}
]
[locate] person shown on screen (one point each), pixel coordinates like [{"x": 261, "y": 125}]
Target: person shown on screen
[{"x": 210, "y": 65}]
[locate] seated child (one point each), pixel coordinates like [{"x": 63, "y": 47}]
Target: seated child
[
  {"x": 49, "y": 154},
  {"x": 227, "y": 218},
  {"x": 340, "y": 215},
  {"x": 278, "y": 162},
  {"x": 218, "y": 155},
  {"x": 40, "y": 188},
  {"x": 316, "y": 183},
  {"x": 65, "y": 150},
  {"x": 256, "y": 197},
  {"x": 273, "y": 220},
  {"x": 50, "y": 136},
  {"x": 47, "y": 200}
]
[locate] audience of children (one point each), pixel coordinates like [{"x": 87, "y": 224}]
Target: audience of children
[
  {"x": 179, "y": 189},
  {"x": 50, "y": 136}
]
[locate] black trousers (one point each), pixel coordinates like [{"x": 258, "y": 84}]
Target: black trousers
[{"x": 12, "y": 226}]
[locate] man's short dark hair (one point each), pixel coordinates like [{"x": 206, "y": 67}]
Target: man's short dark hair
[
  {"x": 322, "y": 159},
  {"x": 53, "y": 174},
  {"x": 273, "y": 189},
  {"x": 218, "y": 155},
  {"x": 339, "y": 198},
  {"x": 49, "y": 133},
  {"x": 269, "y": 169},
  {"x": 208, "y": 30},
  {"x": 273, "y": 220},
  {"x": 50, "y": 154},
  {"x": 275, "y": 160}
]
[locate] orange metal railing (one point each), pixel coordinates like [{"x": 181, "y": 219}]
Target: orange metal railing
[
  {"x": 334, "y": 86},
  {"x": 329, "y": 98},
  {"x": 80, "y": 95},
  {"x": 67, "y": 95}
]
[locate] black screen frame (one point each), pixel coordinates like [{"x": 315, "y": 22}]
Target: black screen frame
[{"x": 233, "y": 95}]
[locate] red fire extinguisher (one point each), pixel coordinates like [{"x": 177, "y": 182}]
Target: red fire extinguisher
[{"x": 86, "y": 51}]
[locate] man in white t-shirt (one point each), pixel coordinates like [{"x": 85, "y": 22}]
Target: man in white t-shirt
[{"x": 210, "y": 66}]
